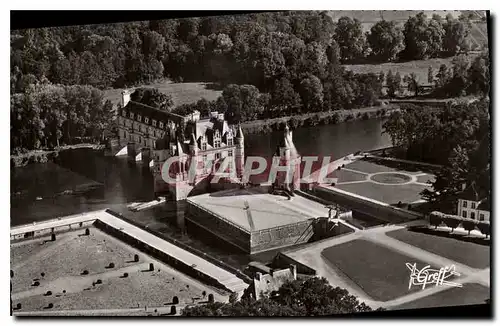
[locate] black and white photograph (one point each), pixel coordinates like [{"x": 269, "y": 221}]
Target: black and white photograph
[{"x": 313, "y": 163}]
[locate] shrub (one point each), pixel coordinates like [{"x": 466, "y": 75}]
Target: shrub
[
  {"x": 36, "y": 283},
  {"x": 452, "y": 221},
  {"x": 211, "y": 298},
  {"x": 48, "y": 293},
  {"x": 42, "y": 274},
  {"x": 469, "y": 224},
  {"x": 204, "y": 294},
  {"x": 136, "y": 258},
  {"x": 18, "y": 306},
  {"x": 435, "y": 219},
  {"x": 99, "y": 281},
  {"x": 365, "y": 116},
  {"x": 87, "y": 232},
  {"x": 125, "y": 274},
  {"x": 151, "y": 267},
  {"x": 484, "y": 227},
  {"x": 111, "y": 265},
  {"x": 52, "y": 237},
  {"x": 175, "y": 300},
  {"x": 85, "y": 272},
  {"x": 50, "y": 306},
  {"x": 173, "y": 310}
]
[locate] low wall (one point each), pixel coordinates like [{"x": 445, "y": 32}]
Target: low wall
[
  {"x": 381, "y": 211},
  {"x": 46, "y": 231},
  {"x": 281, "y": 236}
]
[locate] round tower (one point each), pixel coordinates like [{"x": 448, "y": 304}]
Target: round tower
[{"x": 239, "y": 153}]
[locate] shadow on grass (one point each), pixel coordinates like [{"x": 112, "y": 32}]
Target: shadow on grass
[
  {"x": 440, "y": 233},
  {"x": 399, "y": 165}
]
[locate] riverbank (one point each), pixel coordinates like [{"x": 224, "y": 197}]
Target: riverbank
[
  {"x": 44, "y": 156},
  {"x": 319, "y": 118}
]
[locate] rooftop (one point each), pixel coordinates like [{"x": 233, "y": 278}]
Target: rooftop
[{"x": 266, "y": 210}]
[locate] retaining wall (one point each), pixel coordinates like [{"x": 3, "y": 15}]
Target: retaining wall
[{"x": 281, "y": 236}]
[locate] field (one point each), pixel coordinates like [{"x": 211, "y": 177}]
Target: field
[
  {"x": 182, "y": 93},
  {"x": 64, "y": 260},
  {"x": 377, "y": 270},
  {"x": 469, "y": 294},
  {"x": 471, "y": 254}
]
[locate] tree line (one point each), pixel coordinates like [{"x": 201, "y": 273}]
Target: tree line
[
  {"x": 310, "y": 297},
  {"x": 457, "y": 137}
]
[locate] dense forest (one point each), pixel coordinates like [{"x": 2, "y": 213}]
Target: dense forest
[
  {"x": 269, "y": 65},
  {"x": 457, "y": 137}
]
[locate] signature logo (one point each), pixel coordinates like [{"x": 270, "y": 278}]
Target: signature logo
[{"x": 428, "y": 276}]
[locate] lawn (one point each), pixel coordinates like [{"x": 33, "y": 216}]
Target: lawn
[
  {"x": 470, "y": 254},
  {"x": 348, "y": 176},
  {"x": 182, "y": 93},
  {"x": 369, "y": 167},
  {"x": 426, "y": 178},
  {"x": 379, "y": 271},
  {"x": 390, "y": 194},
  {"x": 470, "y": 293}
]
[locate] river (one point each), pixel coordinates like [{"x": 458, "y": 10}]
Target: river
[{"x": 50, "y": 190}]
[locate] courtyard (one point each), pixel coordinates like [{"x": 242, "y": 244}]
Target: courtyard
[{"x": 89, "y": 272}]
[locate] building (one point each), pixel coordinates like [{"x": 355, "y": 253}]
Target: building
[
  {"x": 201, "y": 145},
  {"x": 265, "y": 284},
  {"x": 470, "y": 205},
  {"x": 287, "y": 156}
]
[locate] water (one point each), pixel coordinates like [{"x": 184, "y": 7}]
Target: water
[{"x": 84, "y": 180}]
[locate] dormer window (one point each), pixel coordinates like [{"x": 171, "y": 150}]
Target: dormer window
[
  {"x": 229, "y": 142},
  {"x": 124, "y": 113},
  {"x": 139, "y": 118},
  {"x": 146, "y": 120},
  {"x": 161, "y": 124},
  {"x": 131, "y": 115},
  {"x": 203, "y": 143},
  {"x": 154, "y": 122}
]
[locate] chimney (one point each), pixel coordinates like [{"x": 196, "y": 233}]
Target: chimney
[
  {"x": 293, "y": 269},
  {"x": 125, "y": 97},
  {"x": 258, "y": 275}
]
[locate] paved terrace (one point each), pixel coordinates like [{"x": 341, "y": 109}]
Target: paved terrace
[{"x": 224, "y": 277}]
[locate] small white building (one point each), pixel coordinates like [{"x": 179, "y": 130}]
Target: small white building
[{"x": 470, "y": 206}]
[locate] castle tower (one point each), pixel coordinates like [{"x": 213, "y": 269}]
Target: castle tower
[
  {"x": 239, "y": 154},
  {"x": 287, "y": 155}
]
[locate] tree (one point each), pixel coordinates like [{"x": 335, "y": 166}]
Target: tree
[
  {"x": 435, "y": 219},
  {"x": 430, "y": 75},
  {"x": 457, "y": 36},
  {"x": 284, "y": 99},
  {"x": 385, "y": 40},
  {"x": 484, "y": 227},
  {"x": 469, "y": 224},
  {"x": 311, "y": 92},
  {"x": 152, "y": 97},
  {"x": 350, "y": 38},
  {"x": 443, "y": 76},
  {"x": 479, "y": 75},
  {"x": 452, "y": 221},
  {"x": 423, "y": 37},
  {"x": 412, "y": 82}
]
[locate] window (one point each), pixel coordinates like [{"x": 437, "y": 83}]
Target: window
[
  {"x": 154, "y": 123},
  {"x": 230, "y": 153},
  {"x": 472, "y": 215},
  {"x": 465, "y": 203},
  {"x": 481, "y": 217},
  {"x": 139, "y": 118},
  {"x": 161, "y": 124},
  {"x": 473, "y": 205},
  {"x": 146, "y": 120},
  {"x": 229, "y": 142},
  {"x": 217, "y": 156},
  {"x": 216, "y": 143},
  {"x": 203, "y": 143},
  {"x": 131, "y": 115},
  {"x": 124, "y": 113},
  {"x": 464, "y": 214}
]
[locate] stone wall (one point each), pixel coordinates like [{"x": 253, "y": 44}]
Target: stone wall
[
  {"x": 281, "y": 236},
  {"x": 282, "y": 261},
  {"x": 45, "y": 232},
  {"x": 381, "y": 211},
  {"x": 220, "y": 227}
]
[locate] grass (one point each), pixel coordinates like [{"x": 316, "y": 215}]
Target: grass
[
  {"x": 391, "y": 178},
  {"x": 182, "y": 93},
  {"x": 348, "y": 176},
  {"x": 470, "y": 293},
  {"x": 368, "y": 167},
  {"x": 390, "y": 194},
  {"x": 377, "y": 270},
  {"x": 470, "y": 254}
]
